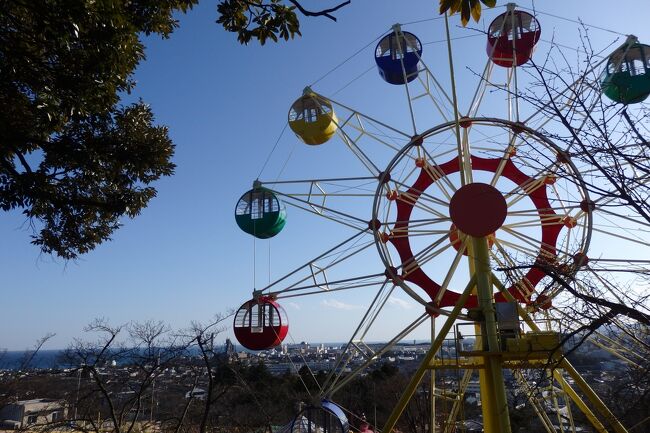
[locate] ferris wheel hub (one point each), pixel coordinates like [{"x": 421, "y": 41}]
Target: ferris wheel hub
[{"x": 478, "y": 209}]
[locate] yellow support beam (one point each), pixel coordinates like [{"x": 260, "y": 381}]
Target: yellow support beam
[
  {"x": 496, "y": 419},
  {"x": 424, "y": 366},
  {"x": 591, "y": 395}
]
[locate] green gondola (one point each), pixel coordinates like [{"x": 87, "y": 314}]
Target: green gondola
[
  {"x": 626, "y": 78},
  {"x": 260, "y": 213}
]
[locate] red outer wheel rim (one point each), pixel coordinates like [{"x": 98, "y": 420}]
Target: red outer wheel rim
[{"x": 548, "y": 243}]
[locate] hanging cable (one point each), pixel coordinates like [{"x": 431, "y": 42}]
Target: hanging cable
[
  {"x": 536, "y": 11},
  {"x": 284, "y": 128},
  {"x": 346, "y": 60}
]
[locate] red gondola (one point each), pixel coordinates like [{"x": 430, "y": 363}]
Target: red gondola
[
  {"x": 512, "y": 37},
  {"x": 260, "y": 324}
]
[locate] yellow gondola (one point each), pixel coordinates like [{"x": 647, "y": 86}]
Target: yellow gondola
[{"x": 312, "y": 118}]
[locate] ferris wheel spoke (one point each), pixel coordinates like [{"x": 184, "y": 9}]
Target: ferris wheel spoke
[
  {"x": 415, "y": 233},
  {"x": 638, "y": 222},
  {"x": 317, "y": 191},
  {"x": 545, "y": 221},
  {"x": 319, "y": 211},
  {"x": 360, "y": 115},
  {"x": 512, "y": 270},
  {"x": 330, "y": 286},
  {"x": 507, "y": 152},
  {"x": 527, "y": 251},
  {"x": 318, "y": 274},
  {"x": 420, "y": 195},
  {"x": 425, "y": 256},
  {"x": 408, "y": 198},
  {"x": 342, "y": 361},
  {"x": 356, "y": 151},
  {"x": 343, "y": 246},
  {"x": 619, "y": 236},
  {"x": 361, "y": 129},
  {"x": 536, "y": 244},
  {"x": 450, "y": 273},
  {"x": 524, "y": 213},
  {"x": 480, "y": 89},
  {"x": 436, "y": 174},
  {"x": 526, "y": 189},
  {"x": 422, "y": 222},
  {"x": 426, "y": 83},
  {"x": 323, "y": 211},
  {"x": 335, "y": 386}
]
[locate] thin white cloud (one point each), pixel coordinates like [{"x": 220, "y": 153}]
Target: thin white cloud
[
  {"x": 293, "y": 305},
  {"x": 333, "y": 303},
  {"x": 400, "y": 303}
]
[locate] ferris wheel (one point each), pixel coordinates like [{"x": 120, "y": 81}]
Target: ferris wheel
[{"x": 483, "y": 219}]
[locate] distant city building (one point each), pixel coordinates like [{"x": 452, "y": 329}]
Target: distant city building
[{"x": 24, "y": 413}]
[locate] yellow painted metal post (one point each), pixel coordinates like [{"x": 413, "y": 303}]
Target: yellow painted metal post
[
  {"x": 424, "y": 366},
  {"x": 432, "y": 389},
  {"x": 497, "y": 416},
  {"x": 573, "y": 395},
  {"x": 610, "y": 418},
  {"x": 582, "y": 384}
]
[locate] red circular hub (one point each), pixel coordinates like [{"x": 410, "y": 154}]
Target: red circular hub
[{"x": 478, "y": 209}]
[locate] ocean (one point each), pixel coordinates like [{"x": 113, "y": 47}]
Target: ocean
[{"x": 15, "y": 360}]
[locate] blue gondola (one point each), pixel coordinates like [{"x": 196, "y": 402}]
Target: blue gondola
[
  {"x": 397, "y": 56},
  {"x": 325, "y": 418}
]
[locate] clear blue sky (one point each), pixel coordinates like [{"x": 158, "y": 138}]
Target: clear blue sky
[{"x": 184, "y": 258}]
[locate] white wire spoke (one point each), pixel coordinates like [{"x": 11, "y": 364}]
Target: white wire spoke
[
  {"x": 421, "y": 261},
  {"x": 623, "y": 228},
  {"x": 338, "y": 385},
  {"x": 536, "y": 243},
  {"x": 321, "y": 291},
  {"x": 363, "y": 116},
  {"x": 417, "y": 204},
  {"x": 504, "y": 159},
  {"x": 324, "y": 268},
  {"x": 527, "y": 212},
  {"x": 437, "y": 86},
  {"x": 521, "y": 283},
  {"x": 318, "y": 180},
  {"x": 619, "y": 236},
  {"x": 322, "y": 207},
  {"x": 450, "y": 272},
  {"x": 413, "y": 262},
  {"x": 475, "y": 104},
  {"x": 527, "y": 188},
  {"x": 363, "y": 131},
  {"x": 436, "y": 174},
  {"x": 332, "y": 194},
  {"x": 411, "y": 232},
  {"x": 521, "y": 249},
  {"x": 356, "y": 151},
  {"x": 544, "y": 221},
  {"x": 417, "y": 223},
  {"x": 309, "y": 209},
  {"x": 319, "y": 257},
  {"x": 368, "y": 319},
  {"x": 420, "y": 195}
]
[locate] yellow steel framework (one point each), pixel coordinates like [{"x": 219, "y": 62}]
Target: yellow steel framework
[{"x": 491, "y": 362}]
